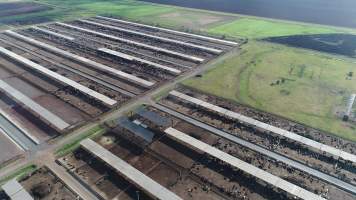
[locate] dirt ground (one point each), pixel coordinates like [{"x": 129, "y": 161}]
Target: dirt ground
[
  {"x": 186, "y": 172},
  {"x": 276, "y": 168},
  {"x": 48, "y": 101},
  {"x": 43, "y": 184},
  {"x": 196, "y": 21},
  {"x": 8, "y": 149},
  {"x": 191, "y": 190},
  {"x": 34, "y": 127}
]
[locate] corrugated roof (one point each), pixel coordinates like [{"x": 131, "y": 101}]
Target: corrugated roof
[
  {"x": 293, "y": 136},
  {"x": 130, "y": 173},
  {"x": 244, "y": 166}
]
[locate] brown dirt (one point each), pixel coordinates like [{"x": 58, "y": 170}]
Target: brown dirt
[
  {"x": 43, "y": 184},
  {"x": 9, "y": 151}
]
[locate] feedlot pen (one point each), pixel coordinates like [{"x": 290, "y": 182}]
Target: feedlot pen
[
  {"x": 143, "y": 141},
  {"x": 77, "y": 71},
  {"x": 189, "y": 145}
]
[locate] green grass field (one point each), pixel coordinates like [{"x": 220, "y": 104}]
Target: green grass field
[
  {"x": 314, "y": 85},
  {"x": 258, "y": 28}
]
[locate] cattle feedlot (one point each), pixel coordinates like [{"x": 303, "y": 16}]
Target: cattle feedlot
[{"x": 154, "y": 137}]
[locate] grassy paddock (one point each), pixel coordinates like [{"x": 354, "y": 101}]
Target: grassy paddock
[{"x": 298, "y": 84}]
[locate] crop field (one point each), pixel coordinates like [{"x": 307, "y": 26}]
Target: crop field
[
  {"x": 11, "y": 12},
  {"x": 18, "y": 8},
  {"x": 128, "y": 9},
  {"x": 173, "y": 17}
]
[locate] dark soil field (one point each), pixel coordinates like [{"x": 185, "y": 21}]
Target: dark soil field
[
  {"x": 25, "y": 21},
  {"x": 328, "y": 12},
  {"x": 11, "y": 9},
  {"x": 341, "y": 44}
]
